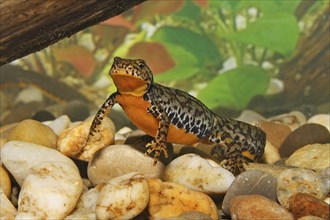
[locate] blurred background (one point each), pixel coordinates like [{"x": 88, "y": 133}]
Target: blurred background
[{"x": 268, "y": 56}]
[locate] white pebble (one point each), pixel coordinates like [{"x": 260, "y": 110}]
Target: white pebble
[
  {"x": 50, "y": 191},
  {"x": 196, "y": 173},
  {"x": 123, "y": 197},
  {"x": 19, "y": 157},
  {"x": 60, "y": 124},
  {"x": 322, "y": 119}
]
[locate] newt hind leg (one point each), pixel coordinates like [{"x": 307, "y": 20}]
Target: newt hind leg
[{"x": 229, "y": 152}]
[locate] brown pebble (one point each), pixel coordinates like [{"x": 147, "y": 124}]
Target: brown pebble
[
  {"x": 276, "y": 133},
  {"x": 250, "y": 182},
  {"x": 34, "y": 132},
  {"x": 302, "y": 136},
  {"x": 303, "y": 204},
  {"x": 257, "y": 207}
]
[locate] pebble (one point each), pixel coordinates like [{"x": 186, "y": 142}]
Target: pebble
[
  {"x": 276, "y": 133},
  {"x": 19, "y": 157},
  {"x": 193, "y": 215},
  {"x": 322, "y": 119},
  {"x": 34, "y": 132},
  {"x": 85, "y": 207},
  {"x": 306, "y": 134},
  {"x": 50, "y": 191},
  {"x": 171, "y": 200},
  {"x": 196, "y": 173},
  {"x": 252, "y": 182},
  {"x": 123, "y": 197},
  {"x": 250, "y": 117},
  {"x": 303, "y": 204},
  {"x": 292, "y": 119},
  {"x": 81, "y": 214},
  {"x": 271, "y": 154},
  {"x": 202, "y": 150},
  {"x": 60, "y": 124},
  {"x": 29, "y": 94},
  {"x": 295, "y": 180},
  {"x": 257, "y": 207},
  {"x": 72, "y": 141},
  {"x": 76, "y": 110},
  {"x": 7, "y": 210},
  {"x": 272, "y": 169},
  {"x": 117, "y": 160},
  {"x": 310, "y": 217},
  {"x": 313, "y": 156},
  {"x": 5, "y": 183}
]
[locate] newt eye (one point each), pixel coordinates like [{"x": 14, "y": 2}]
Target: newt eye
[{"x": 141, "y": 65}]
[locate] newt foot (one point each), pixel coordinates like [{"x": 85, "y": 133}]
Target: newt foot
[
  {"x": 233, "y": 161},
  {"x": 157, "y": 148}
]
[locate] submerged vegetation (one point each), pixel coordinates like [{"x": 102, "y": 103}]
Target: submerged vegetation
[{"x": 224, "y": 52}]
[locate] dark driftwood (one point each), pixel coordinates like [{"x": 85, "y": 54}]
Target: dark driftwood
[{"x": 27, "y": 26}]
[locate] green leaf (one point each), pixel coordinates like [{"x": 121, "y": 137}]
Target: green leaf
[
  {"x": 200, "y": 46},
  {"x": 278, "y": 32},
  {"x": 235, "y": 88},
  {"x": 186, "y": 65},
  {"x": 189, "y": 11},
  {"x": 272, "y": 6}
]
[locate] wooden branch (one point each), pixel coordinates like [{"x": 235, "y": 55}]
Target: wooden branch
[{"x": 31, "y": 25}]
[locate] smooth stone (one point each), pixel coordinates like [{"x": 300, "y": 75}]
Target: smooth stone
[
  {"x": 19, "y": 157},
  {"x": 123, "y": 197},
  {"x": 310, "y": 217},
  {"x": 29, "y": 94},
  {"x": 60, "y": 124},
  {"x": 252, "y": 182},
  {"x": 34, "y": 132},
  {"x": 313, "y": 156},
  {"x": 42, "y": 116},
  {"x": 202, "y": 150},
  {"x": 250, "y": 117},
  {"x": 7, "y": 209},
  {"x": 169, "y": 199},
  {"x": 6, "y": 130},
  {"x": 304, "y": 135},
  {"x": 81, "y": 214},
  {"x": 72, "y": 142},
  {"x": 193, "y": 215},
  {"x": 50, "y": 191},
  {"x": 76, "y": 110},
  {"x": 271, "y": 154},
  {"x": 196, "y": 173},
  {"x": 276, "y": 133},
  {"x": 322, "y": 119},
  {"x": 257, "y": 207},
  {"x": 85, "y": 207},
  {"x": 294, "y": 119},
  {"x": 117, "y": 160},
  {"x": 303, "y": 204},
  {"x": 5, "y": 183},
  {"x": 296, "y": 180},
  {"x": 272, "y": 169}
]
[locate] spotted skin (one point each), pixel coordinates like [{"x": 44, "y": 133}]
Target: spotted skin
[{"x": 178, "y": 117}]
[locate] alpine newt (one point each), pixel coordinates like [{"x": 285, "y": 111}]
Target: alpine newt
[{"x": 171, "y": 115}]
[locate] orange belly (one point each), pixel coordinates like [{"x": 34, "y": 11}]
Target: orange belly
[{"x": 136, "y": 110}]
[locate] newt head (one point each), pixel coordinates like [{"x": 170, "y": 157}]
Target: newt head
[{"x": 130, "y": 76}]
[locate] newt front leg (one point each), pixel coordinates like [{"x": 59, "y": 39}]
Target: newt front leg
[
  {"x": 102, "y": 112},
  {"x": 158, "y": 145}
]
